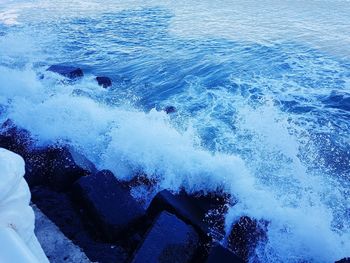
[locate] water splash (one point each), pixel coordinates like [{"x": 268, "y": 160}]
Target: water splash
[{"x": 256, "y": 117}]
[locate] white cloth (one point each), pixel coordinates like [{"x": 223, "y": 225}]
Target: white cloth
[{"x": 15, "y": 211}]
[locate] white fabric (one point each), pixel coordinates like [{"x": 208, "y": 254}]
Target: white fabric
[{"x": 15, "y": 211}]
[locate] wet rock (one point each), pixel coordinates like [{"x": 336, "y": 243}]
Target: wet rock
[
  {"x": 180, "y": 205},
  {"x": 169, "y": 240},
  {"x": 14, "y": 138},
  {"x": 105, "y": 82},
  {"x": 81, "y": 161},
  {"x": 245, "y": 235},
  {"x": 58, "y": 207},
  {"x": 220, "y": 254},
  {"x": 56, "y": 166},
  {"x": 205, "y": 213},
  {"x": 108, "y": 203},
  {"x": 170, "y": 109},
  {"x": 67, "y": 71}
]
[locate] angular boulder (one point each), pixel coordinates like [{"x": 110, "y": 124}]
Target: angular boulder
[
  {"x": 67, "y": 71},
  {"x": 191, "y": 209},
  {"x": 220, "y": 254},
  {"x": 58, "y": 207},
  {"x": 109, "y": 204},
  {"x": 56, "y": 166},
  {"x": 169, "y": 240},
  {"x": 105, "y": 82}
]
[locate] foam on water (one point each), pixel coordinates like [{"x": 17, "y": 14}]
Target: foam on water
[
  {"x": 127, "y": 141},
  {"x": 252, "y": 119}
]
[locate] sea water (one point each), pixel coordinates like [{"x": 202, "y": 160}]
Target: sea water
[{"x": 261, "y": 88}]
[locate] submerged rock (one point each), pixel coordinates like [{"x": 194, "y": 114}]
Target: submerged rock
[
  {"x": 67, "y": 71},
  {"x": 108, "y": 203},
  {"x": 170, "y": 109},
  {"x": 220, "y": 254},
  {"x": 105, "y": 82},
  {"x": 169, "y": 240}
]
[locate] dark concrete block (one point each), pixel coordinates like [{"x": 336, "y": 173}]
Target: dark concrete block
[
  {"x": 67, "y": 71},
  {"x": 169, "y": 240},
  {"x": 105, "y": 82},
  {"x": 58, "y": 207},
  {"x": 220, "y": 254},
  {"x": 108, "y": 203},
  {"x": 192, "y": 209},
  {"x": 56, "y": 167}
]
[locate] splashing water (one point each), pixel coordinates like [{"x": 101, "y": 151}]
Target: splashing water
[{"x": 261, "y": 91}]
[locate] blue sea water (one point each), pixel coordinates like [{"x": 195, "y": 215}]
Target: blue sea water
[{"x": 261, "y": 88}]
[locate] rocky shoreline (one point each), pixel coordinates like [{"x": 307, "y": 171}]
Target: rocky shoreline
[{"x": 97, "y": 212}]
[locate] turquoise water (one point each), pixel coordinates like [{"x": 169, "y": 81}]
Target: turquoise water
[{"x": 262, "y": 91}]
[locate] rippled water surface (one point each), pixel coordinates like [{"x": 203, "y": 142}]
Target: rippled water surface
[{"x": 261, "y": 88}]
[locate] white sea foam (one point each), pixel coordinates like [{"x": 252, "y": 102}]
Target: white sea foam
[
  {"x": 126, "y": 141},
  {"x": 256, "y": 154}
]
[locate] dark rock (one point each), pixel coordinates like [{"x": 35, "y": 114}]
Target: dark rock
[
  {"x": 56, "y": 166},
  {"x": 81, "y": 161},
  {"x": 245, "y": 235},
  {"x": 220, "y": 254},
  {"x": 58, "y": 207},
  {"x": 144, "y": 188},
  {"x": 14, "y": 138},
  {"x": 344, "y": 260},
  {"x": 108, "y": 203},
  {"x": 104, "y": 81},
  {"x": 170, "y": 109},
  {"x": 169, "y": 240},
  {"x": 205, "y": 213},
  {"x": 67, "y": 71}
]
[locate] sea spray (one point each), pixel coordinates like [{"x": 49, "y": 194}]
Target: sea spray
[
  {"x": 128, "y": 141},
  {"x": 252, "y": 114}
]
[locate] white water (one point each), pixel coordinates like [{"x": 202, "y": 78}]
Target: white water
[
  {"x": 258, "y": 160},
  {"x": 126, "y": 141}
]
